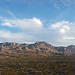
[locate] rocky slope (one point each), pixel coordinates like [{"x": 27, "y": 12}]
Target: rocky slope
[{"x": 36, "y": 49}]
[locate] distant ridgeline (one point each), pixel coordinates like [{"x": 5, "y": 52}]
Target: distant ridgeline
[{"x": 36, "y": 49}]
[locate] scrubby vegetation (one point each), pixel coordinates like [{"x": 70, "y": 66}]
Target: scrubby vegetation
[{"x": 37, "y": 66}]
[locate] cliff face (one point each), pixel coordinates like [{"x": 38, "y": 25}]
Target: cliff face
[{"x": 36, "y": 49}]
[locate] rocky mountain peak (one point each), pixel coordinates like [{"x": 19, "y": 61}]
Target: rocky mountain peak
[{"x": 43, "y": 43}]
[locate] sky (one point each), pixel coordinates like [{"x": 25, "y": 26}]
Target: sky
[{"x": 29, "y": 21}]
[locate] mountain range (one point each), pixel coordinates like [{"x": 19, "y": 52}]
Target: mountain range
[{"x": 36, "y": 49}]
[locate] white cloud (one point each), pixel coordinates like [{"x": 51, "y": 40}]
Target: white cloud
[
  {"x": 15, "y": 37},
  {"x": 56, "y": 6},
  {"x": 31, "y": 25},
  {"x": 55, "y": 26},
  {"x": 62, "y": 26},
  {"x": 67, "y": 3},
  {"x": 37, "y": 21},
  {"x": 7, "y": 24},
  {"x": 66, "y": 27},
  {"x": 69, "y": 38},
  {"x": 62, "y": 30},
  {"x": 62, "y": 33},
  {"x": 11, "y": 14},
  {"x": 1, "y": 17},
  {"x": 60, "y": 3}
]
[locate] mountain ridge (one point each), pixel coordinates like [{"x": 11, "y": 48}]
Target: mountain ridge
[{"x": 40, "y": 48}]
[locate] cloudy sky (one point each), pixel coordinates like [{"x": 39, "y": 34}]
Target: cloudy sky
[{"x": 28, "y": 21}]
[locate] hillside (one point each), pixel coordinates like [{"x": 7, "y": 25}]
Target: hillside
[{"x": 36, "y": 49}]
